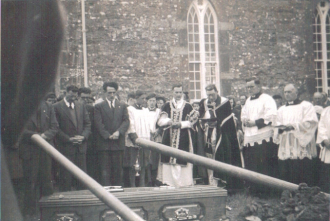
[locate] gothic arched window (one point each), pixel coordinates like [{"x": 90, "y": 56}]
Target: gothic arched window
[
  {"x": 202, "y": 48},
  {"x": 321, "y": 46}
]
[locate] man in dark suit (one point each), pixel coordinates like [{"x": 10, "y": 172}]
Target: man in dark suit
[
  {"x": 37, "y": 163},
  {"x": 111, "y": 122},
  {"x": 74, "y": 130}
]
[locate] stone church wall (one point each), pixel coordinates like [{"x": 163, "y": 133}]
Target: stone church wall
[{"x": 142, "y": 44}]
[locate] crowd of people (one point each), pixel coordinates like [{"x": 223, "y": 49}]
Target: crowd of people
[{"x": 256, "y": 132}]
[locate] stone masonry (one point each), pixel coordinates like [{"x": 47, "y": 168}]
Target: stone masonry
[{"x": 142, "y": 44}]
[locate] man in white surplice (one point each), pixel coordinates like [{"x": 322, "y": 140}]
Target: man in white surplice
[
  {"x": 258, "y": 116},
  {"x": 297, "y": 122},
  {"x": 323, "y": 139}
]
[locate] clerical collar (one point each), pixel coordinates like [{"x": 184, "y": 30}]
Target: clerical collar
[
  {"x": 295, "y": 102},
  {"x": 138, "y": 106},
  {"x": 256, "y": 96}
]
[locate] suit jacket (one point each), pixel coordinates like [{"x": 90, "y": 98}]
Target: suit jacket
[
  {"x": 91, "y": 139},
  {"x": 109, "y": 120},
  {"x": 67, "y": 127},
  {"x": 43, "y": 121}
]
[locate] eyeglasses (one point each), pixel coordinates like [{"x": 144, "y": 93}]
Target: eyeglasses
[{"x": 110, "y": 92}]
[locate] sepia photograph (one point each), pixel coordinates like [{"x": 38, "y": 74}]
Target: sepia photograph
[{"x": 165, "y": 110}]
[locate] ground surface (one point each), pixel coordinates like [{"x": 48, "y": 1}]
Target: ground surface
[{"x": 239, "y": 201}]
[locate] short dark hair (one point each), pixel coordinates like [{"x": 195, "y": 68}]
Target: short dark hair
[
  {"x": 256, "y": 80},
  {"x": 131, "y": 95},
  {"x": 110, "y": 84},
  {"x": 151, "y": 95},
  {"x": 277, "y": 96},
  {"x": 50, "y": 95},
  {"x": 195, "y": 102},
  {"x": 72, "y": 88},
  {"x": 59, "y": 98},
  {"x": 84, "y": 90},
  {"x": 176, "y": 85},
  {"x": 211, "y": 87},
  {"x": 161, "y": 98},
  {"x": 139, "y": 93}
]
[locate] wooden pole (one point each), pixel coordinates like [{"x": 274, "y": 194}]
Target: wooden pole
[
  {"x": 218, "y": 166},
  {"x": 83, "y": 30},
  {"x": 111, "y": 201}
]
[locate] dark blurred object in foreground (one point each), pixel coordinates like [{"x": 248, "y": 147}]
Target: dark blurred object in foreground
[{"x": 31, "y": 37}]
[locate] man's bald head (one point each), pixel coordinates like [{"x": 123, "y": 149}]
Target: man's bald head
[
  {"x": 290, "y": 87},
  {"x": 290, "y": 92},
  {"x": 318, "y": 98}
]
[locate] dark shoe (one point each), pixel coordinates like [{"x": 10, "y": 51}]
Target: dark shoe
[{"x": 158, "y": 183}]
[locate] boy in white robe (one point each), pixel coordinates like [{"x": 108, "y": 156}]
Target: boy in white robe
[
  {"x": 136, "y": 158},
  {"x": 297, "y": 122},
  {"x": 151, "y": 116}
]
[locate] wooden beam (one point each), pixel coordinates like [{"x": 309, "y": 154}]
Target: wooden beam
[
  {"x": 111, "y": 201},
  {"x": 231, "y": 170}
]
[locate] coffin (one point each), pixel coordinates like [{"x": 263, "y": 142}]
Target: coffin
[{"x": 205, "y": 203}]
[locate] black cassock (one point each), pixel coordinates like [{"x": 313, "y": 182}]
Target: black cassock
[{"x": 225, "y": 144}]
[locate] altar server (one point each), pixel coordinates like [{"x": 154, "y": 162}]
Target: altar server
[
  {"x": 297, "y": 122},
  {"x": 152, "y": 115},
  {"x": 258, "y": 115},
  {"x": 142, "y": 125}
]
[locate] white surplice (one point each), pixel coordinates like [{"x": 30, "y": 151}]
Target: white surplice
[
  {"x": 151, "y": 118},
  {"x": 263, "y": 107},
  {"x": 324, "y": 134},
  {"x": 300, "y": 142},
  {"x": 142, "y": 122}
]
